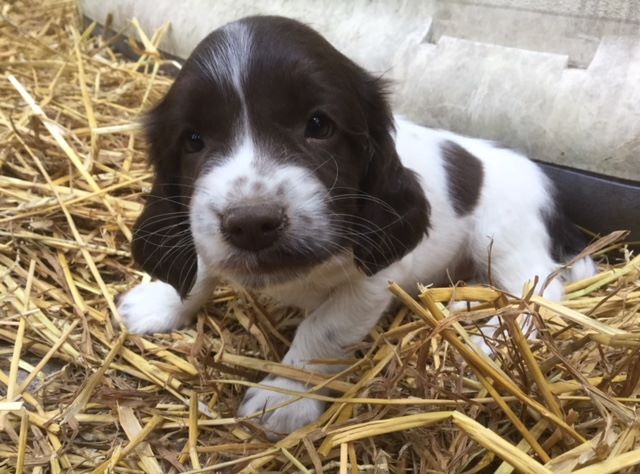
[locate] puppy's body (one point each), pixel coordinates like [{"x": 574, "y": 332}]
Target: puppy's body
[{"x": 297, "y": 186}]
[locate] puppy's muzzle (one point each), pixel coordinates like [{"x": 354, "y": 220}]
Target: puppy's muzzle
[{"x": 254, "y": 227}]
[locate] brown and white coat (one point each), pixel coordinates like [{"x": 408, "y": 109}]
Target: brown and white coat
[{"x": 280, "y": 167}]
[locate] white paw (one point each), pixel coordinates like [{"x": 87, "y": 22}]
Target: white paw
[
  {"x": 152, "y": 307},
  {"x": 583, "y": 268},
  {"x": 554, "y": 290},
  {"x": 489, "y": 330},
  {"x": 290, "y": 416},
  {"x": 460, "y": 306},
  {"x": 492, "y": 330},
  {"x": 481, "y": 343}
]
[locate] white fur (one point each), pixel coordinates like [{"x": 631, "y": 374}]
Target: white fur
[
  {"x": 291, "y": 412},
  {"x": 343, "y": 305},
  {"x": 157, "y": 307},
  {"x": 152, "y": 307},
  {"x": 227, "y": 60},
  {"x": 261, "y": 180}
]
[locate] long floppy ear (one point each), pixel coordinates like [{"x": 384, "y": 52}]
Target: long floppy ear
[
  {"x": 162, "y": 241},
  {"x": 393, "y": 203}
]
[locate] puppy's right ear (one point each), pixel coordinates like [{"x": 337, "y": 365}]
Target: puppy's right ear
[{"x": 162, "y": 242}]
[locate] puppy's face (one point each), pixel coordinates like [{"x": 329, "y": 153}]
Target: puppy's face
[{"x": 273, "y": 153}]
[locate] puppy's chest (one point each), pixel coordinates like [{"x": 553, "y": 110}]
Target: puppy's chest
[
  {"x": 305, "y": 297},
  {"x": 311, "y": 290}
]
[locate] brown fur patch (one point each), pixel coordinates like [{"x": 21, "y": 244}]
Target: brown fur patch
[{"x": 464, "y": 177}]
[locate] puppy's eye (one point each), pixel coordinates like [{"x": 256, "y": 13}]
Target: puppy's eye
[
  {"x": 192, "y": 141},
  {"x": 319, "y": 126}
]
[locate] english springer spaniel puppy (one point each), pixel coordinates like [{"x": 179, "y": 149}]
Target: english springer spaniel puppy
[{"x": 280, "y": 167}]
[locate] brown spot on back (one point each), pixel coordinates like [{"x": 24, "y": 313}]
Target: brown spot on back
[{"x": 464, "y": 177}]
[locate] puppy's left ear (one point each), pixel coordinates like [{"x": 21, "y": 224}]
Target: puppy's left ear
[{"x": 392, "y": 205}]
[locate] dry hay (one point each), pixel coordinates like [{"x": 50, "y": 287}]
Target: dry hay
[{"x": 78, "y": 395}]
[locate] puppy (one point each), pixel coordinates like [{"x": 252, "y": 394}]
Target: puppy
[{"x": 280, "y": 167}]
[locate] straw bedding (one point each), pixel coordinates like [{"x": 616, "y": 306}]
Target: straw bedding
[{"x": 77, "y": 394}]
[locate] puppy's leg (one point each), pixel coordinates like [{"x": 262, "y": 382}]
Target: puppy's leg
[
  {"x": 343, "y": 320},
  {"x": 512, "y": 269},
  {"x": 157, "y": 307}
]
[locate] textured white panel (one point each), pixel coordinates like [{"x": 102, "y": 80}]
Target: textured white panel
[{"x": 558, "y": 79}]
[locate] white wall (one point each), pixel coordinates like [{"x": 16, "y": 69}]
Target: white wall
[{"x": 559, "y": 79}]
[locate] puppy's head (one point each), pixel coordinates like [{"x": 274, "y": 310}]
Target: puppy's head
[{"x": 272, "y": 153}]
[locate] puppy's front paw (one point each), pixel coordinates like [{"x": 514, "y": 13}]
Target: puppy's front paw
[
  {"x": 291, "y": 415},
  {"x": 152, "y": 307},
  {"x": 494, "y": 330}
]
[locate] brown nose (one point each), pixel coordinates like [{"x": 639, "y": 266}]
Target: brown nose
[{"x": 253, "y": 227}]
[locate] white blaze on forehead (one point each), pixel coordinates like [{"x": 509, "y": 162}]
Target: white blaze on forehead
[
  {"x": 227, "y": 59},
  {"x": 226, "y": 62}
]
